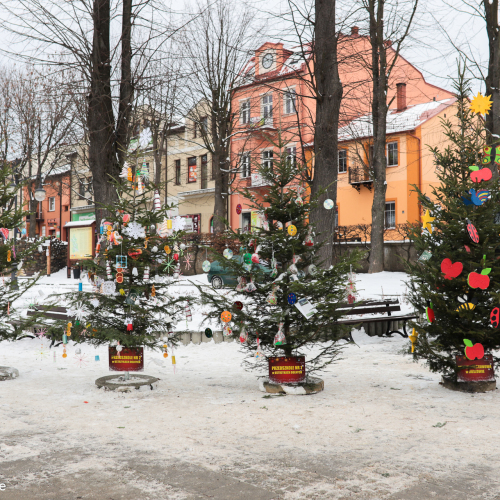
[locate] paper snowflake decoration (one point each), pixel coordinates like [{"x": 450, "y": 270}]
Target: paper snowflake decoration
[
  {"x": 95, "y": 302},
  {"x": 41, "y": 333},
  {"x": 178, "y": 223},
  {"x": 81, "y": 360},
  {"x": 149, "y": 330},
  {"x": 78, "y": 311},
  {"x": 134, "y": 230},
  {"x": 169, "y": 264},
  {"x": 187, "y": 261},
  {"x": 481, "y": 104},
  {"x": 145, "y": 138},
  {"x": 108, "y": 288}
]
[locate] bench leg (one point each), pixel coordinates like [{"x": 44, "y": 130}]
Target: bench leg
[{"x": 403, "y": 334}]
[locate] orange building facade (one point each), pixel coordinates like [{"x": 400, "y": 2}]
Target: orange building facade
[
  {"x": 274, "y": 101},
  {"x": 54, "y": 212}
]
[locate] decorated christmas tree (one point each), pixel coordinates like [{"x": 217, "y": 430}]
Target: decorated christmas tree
[
  {"x": 456, "y": 282},
  {"x": 12, "y": 258},
  {"x": 137, "y": 259},
  {"x": 285, "y": 304}
]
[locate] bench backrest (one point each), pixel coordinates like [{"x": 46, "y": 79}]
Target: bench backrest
[
  {"x": 370, "y": 307},
  {"x": 52, "y": 312}
]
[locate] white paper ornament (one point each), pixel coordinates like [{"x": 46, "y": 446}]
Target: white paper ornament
[
  {"x": 134, "y": 230},
  {"x": 146, "y": 273},
  {"x": 154, "y": 249},
  {"x": 182, "y": 246},
  {"x": 145, "y": 138},
  {"x": 156, "y": 202},
  {"x": 135, "y": 272},
  {"x": 124, "y": 172},
  {"x": 108, "y": 288}
]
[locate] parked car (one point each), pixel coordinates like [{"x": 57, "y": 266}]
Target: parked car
[{"x": 220, "y": 276}]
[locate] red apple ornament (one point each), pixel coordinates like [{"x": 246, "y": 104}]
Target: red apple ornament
[
  {"x": 473, "y": 351},
  {"x": 451, "y": 270},
  {"x": 478, "y": 175}
]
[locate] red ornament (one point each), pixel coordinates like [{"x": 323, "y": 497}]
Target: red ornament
[
  {"x": 475, "y": 351},
  {"x": 239, "y": 208},
  {"x": 430, "y": 314},
  {"x": 238, "y": 305},
  {"x": 481, "y": 175},
  {"x": 472, "y": 232},
  {"x": 495, "y": 317},
  {"x": 479, "y": 280},
  {"x": 176, "y": 256},
  {"x": 451, "y": 270},
  {"x": 255, "y": 258},
  {"x": 467, "y": 249}
]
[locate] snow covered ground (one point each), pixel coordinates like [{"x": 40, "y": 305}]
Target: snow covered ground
[{"x": 383, "y": 428}]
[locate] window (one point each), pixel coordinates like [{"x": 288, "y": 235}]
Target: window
[
  {"x": 81, "y": 188},
  {"x": 392, "y": 154},
  {"x": 245, "y": 165},
  {"x": 52, "y": 204},
  {"x": 390, "y": 214},
  {"x": 245, "y": 112},
  {"x": 204, "y": 125},
  {"x": 177, "y": 172},
  {"x": 267, "y": 107},
  {"x": 267, "y": 158},
  {"x": 342, "y": 161},
  {"x": 290, "y": 102},
  {"x": 246, "y": 222},
  {"x": 291, "y": 155},
  {"x": 192, "y": 169}
]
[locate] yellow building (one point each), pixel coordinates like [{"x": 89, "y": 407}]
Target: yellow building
[{"x": 411, "y": 131}]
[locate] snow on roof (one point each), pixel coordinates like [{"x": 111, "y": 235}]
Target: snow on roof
[
  {"x": 397, "y": 121},
  {"x": 79, "y": 223}
]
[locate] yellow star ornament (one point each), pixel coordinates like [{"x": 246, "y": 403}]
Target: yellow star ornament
[
  {"x": 427, "y": 221},
  {"x": 481, "y": 104}
]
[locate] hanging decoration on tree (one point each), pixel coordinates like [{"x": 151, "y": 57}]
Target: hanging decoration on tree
[
  {"x": 157, "y": 202},
  {"x": 189, "y": 316},
  {"x": 494, "y": 317},
  {"x": 128, "y": 323},
  {"x": 228, "y": 253},
  {"x": 479, "y": 197},
  {"x": 208, "y": 333},
  {"x": 239, "y": 208},
  {"x": 328, "y": 204},
  {"x": 108, "y": 270},
  {"x": 292, "y": 230},
  {"x": 481, "y": 104},
  {"x": 427, "y": 221},
  {"x": 243, "y": 334},
  {"x": 279, "y": 338},
  {"x": 413, "y": 338},
  {"x": 471, "y": 229},
  {"x": 146, "y": 273},
  {"x": 480, "y": 174},
  {"x": 134, "y": 230},
  {"x": 451, "y": 270},
  {"x": 225, "y": 316},
  {"x": 479, "y": 280}
]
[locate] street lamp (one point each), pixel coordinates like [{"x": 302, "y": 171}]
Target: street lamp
[{"x": 40, "y": 193}]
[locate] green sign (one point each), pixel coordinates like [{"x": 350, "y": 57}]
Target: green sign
[{"x": 84, "y": 216}]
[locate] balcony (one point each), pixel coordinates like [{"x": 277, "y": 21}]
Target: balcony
[
  {"x": 360, "y": 176},
  {"x": 256, "y": 180}
]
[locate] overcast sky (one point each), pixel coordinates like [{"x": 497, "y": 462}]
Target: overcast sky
[{"x": 439, "y": 25}]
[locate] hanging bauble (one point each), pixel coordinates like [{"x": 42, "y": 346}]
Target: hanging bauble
[
  {"x": 126, "y": 218},
  {"x": 247, "y": 258},
  {"x": 301, "y": 275},
  {"x": 293, "y": 269},
  {"x": 292, "y": 298},
  {"x": 238, "y": 305},
  {"x": 239, "y": 209},
  {"x": 242, "y": 283},
  {"x": 243, "y": 334},
  {"x": 167, "y": 249},
  {"x": 135, "y": 272},
  {"x": 206, "y": 266},
  {"x": 182, "y": 246},
  {"x": 226, "y": 330},
  {"x": 328, "y": 204},
  {"x": 225, "y": 316},
  {"x": 292, "y": 230},
  {"x": 156, "y": 202},
  {"x": 176, "y": 257},
  {"x": 247, "y": 267},
  {"x": 208, "y": 333},
  {"x": 255, "y": 258},
  {"x": 312, "y": 269},
  {"x": 228, "y": 253}
]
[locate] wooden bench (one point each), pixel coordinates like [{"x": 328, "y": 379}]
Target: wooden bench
[
  {"x": 376, "y": 325},
  {"x": 50, "y": 312}
]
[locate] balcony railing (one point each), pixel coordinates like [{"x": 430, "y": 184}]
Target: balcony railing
[
  {"x": 360, "y": 176},
  {"x": 257, "y": 180}
]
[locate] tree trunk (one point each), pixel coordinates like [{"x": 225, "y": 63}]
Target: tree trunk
[
  {"x": 126, "y": 88},
  {"x": 493, "y": 77},
  {"x": 101, "y": 125},
  {"x": 328, "y": 98},
  {"x": 379, "y": 117},
  {"x": 220, "y": 201}
]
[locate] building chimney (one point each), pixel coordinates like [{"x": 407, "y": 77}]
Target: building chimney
[
  {"x": 401, "y": 96},
  {"x": 354, "y": 31}
]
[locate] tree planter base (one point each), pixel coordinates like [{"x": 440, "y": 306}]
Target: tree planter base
[
  {"x": 119, "y": 384},
  {"x": 468, "y": 386},
  {"x": 8, "y": 373},
  {"x": 311, "y": 385}
]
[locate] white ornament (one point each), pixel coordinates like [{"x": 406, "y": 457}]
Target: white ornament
[
  {"x": 124, "y": 172},
  {"x": 178, "y": 223},
  {"x": 156, "y": 202},
  {"x": 95, "y": 302},
  {"x": 145, "y": 138},
  {"x": 108, "y": 288},
  {"x": 328, "y": 204},
  {"x": 146, "y": 273},
  {"x": 154, "y": 249},
  {"x": 182, "y": 246},
  {"x": 78, "y": 311},
  {"x": 134, "y": 230},
  {"x": 135, "y": 272}
]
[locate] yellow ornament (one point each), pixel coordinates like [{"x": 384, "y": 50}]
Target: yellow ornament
[
  {"x": 413, "y": 338},
  {"x": 8, "y": 256},
  {"x": 173, "y": 360},
  {"x": 122, "y": 291},
  {"x": 292, "y": 230},
  {"x": 167, "y": 249},
  {"x": 169, "y": 223},
  {"x": 153, "y": 291},
  {"x": 129, "y": 174},
  {"x": 481, "y": 104},
  {"x": 427, "y": 220}
]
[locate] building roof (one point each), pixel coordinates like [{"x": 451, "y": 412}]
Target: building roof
[{"x": 397, "y": 121}]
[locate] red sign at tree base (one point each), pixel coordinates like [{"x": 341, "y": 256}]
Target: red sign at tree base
[
  {"x": 287, "y": 370},
  {"x": 129, "y": 359},
  {"x": 477, "y": 370}
]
